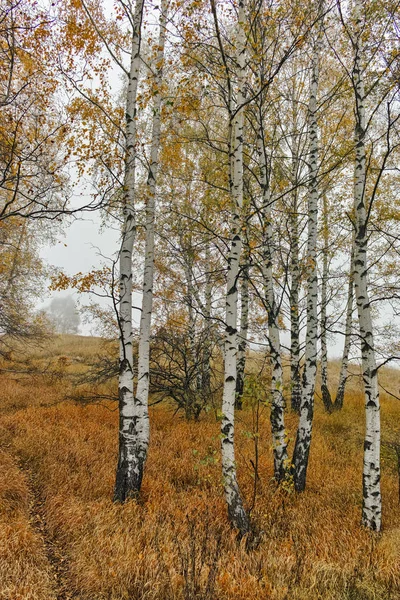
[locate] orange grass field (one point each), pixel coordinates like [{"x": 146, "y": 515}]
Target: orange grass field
[{"x": 61, "y": 536}]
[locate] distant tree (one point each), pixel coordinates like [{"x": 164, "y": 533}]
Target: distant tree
[
  {"x": 64, "y": 315},
  {"x": 22, "y": 276}
]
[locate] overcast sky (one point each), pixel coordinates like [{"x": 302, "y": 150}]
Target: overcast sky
[{"x": 79, "y": 250}]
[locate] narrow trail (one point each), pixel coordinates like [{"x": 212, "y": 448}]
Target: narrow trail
[{"x": 57, "y": 561}]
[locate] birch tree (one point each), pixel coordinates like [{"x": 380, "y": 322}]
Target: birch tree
[
  {"x": 372, "y": 153},
  {"x": 244, "y": 326},
  {"x": 303, "y": 438},
  {"x": 326, "y": 396},
  {"x": 336, "y": 404},
  {"x": 344, "y": 365},
  {"x": 294, "y": 266},
  {"x": 295, "y": 375},
  {"x": 142, "y": 429},
  {"x": 279, "y": 438},
  {"x": 372, "y": 502},
  {"x": 130, "y": 455},
  {"x": 236, "y": 511}
]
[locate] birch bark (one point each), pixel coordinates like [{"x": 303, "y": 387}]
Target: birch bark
[
  {"x": 143, "y": 376},
  {"x": 326, "y": 395},
  {"x": 338, "y": 405},
  {"x": 206, "y": 370},
  {"x": 130, "y": 463},
  {"x": 193, "y": 405},
  {"x": 244, "y": 328},
  {"x": 294, "y": 307},
  {"x": 277, "y": 416},
  {"x": 372, "y": 502},
  {"x": 303, "y": 438},
  {"x": 236, "y": 511},
  {"x": 294, "y": 270}
]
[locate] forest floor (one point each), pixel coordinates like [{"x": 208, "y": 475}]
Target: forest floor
[{"x": 62, "y": 538}]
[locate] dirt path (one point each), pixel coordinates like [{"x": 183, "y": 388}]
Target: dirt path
[{"x": 56, "y": 559}]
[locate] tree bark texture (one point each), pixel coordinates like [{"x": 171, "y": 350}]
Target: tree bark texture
[
  {"x": 344, "y": 367},
  {"x": 277, "y": 415},
  {"x": 372, "y": 502},
  {"x": 303, "y": 437},
  {"x": 143, "y": 375},
  {"x": 326, "y": 395},
  {"x": 244, "y": 328},
  {"x": 236, "y": 511},
  {"x": 130, "y": 468},
  {"x": 294, "y": 274}
]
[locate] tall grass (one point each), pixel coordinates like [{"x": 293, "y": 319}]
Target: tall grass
[{"x": 175, "y": 543}]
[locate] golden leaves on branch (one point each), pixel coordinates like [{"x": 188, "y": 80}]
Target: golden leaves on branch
[{"x": 83, "y": 282}]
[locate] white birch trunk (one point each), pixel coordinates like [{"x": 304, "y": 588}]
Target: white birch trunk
[
  {"x": 143, "y": 376},
  {"x": 326, "y": 395},
  {"x": 244, "y": 328},
  {"x": 294, "y": 278},
  {"x": 303, "y": 438},
  {"x": 279, "y": 437},
  {"x": 128, "y": 472},
  {"x": 338, "y": 404},
  {"x": 372, "y": 502},
  {"x": 236, "y": 511},
  {"x": 193, "y": 402},
  {"x": 294, "y": 310},
  {"x": 206, "y": 369}
]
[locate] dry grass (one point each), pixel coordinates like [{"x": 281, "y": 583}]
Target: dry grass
[
  {"x": 24, "y": 569},
  {"x": 175, "y": 543}
]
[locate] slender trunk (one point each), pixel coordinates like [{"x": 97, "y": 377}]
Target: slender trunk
[
  {"x": 295, "y": 280},
  {"x": 277, "y": 400},
  {"x": 206, "y": 370},
  {"x": 326, "y": 395},
  {"x": 303, "y": 438},
  {"x": 236, "y": 511},
  {"x": 194, "y": 384},
  {"x": 142, "y": 389},
  {"x": 372, "y": 502},
  {"x": 128, "y": 476},
  {"x": 338, "y": 405},
  {"x": 244, "y": 328},
  {"x": 191, "y": 314}
]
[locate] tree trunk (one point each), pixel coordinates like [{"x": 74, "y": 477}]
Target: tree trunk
[
  {"x": 277, "y": 401},
  {"x": 236, "y": 511},
  {"x": 195, "y": 365},
  {"x": 143, "y": 377},
  {"x": 295, "y": 279},
  {"x": 326, "y": 395},
  {"x": 338, "y": 404},
  {"x": 129, "y": 469},
  {"x": 206, "y": 367},
  {"x": 303, "y": 438},
  {"x": 244, "y": 328},
  {"x": 372, "y": 502}
]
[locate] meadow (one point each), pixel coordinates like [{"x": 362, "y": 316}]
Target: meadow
[{"x": 61, "y": 536}]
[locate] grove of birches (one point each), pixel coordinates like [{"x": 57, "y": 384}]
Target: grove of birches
[{"x": 248, "y": 153}]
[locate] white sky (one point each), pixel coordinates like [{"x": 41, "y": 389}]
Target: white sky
[{"x": 79, "y": 250}]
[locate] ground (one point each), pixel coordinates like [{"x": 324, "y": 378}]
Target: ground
[{"x": 61, "y": 537}]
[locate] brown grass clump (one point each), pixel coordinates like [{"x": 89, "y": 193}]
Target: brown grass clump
[{"x": 175, "y": 544}]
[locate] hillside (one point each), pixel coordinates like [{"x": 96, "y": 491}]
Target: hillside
[{"x": 63, "y": 538}]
